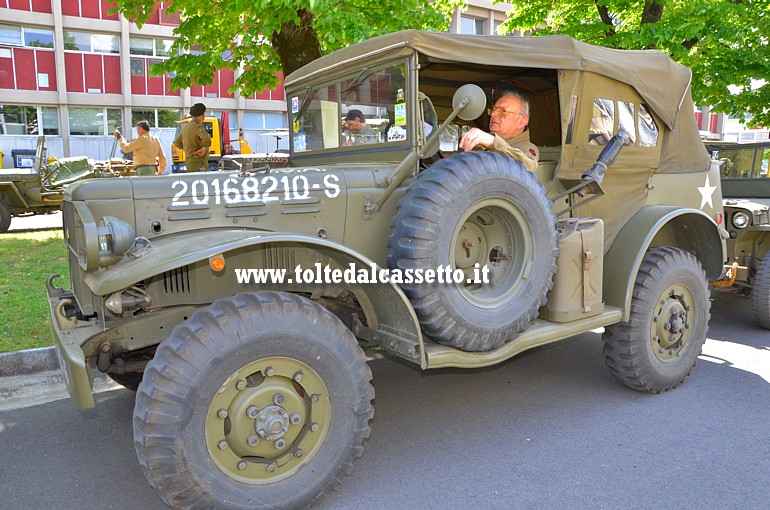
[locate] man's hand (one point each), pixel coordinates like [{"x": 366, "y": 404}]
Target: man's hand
[
  {"x": 477, "y": 138},
  {"x": 202, "y": 152},
  {"x": 117, "y": 134}
]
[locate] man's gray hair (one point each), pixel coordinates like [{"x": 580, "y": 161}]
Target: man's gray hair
[
  {"x": 524, "y": 100},
  {"x": 143, "y": 124}
]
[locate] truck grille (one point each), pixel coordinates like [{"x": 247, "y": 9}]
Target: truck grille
[{"x": 177, "y": 281}]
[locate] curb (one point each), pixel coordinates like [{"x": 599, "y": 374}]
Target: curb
[{"x": 30, "y": 361}]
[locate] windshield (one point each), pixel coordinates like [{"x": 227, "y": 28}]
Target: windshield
[{"x": 365, "y": 109}]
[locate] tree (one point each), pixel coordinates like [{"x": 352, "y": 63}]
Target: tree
[
  {"x": 724, "y": 42},
  {"x": 263, "y": 37}
]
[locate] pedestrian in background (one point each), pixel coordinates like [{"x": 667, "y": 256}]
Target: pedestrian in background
[
  {"x": 149, "y": 158},
  {"x": 195, "y": 141}
]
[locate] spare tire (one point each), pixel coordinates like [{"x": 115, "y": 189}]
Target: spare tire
[{"x": 465, "y": 212}]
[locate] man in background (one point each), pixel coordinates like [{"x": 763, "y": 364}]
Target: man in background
[
  {"x": 358, "y": 131},
  {"x": 195, "y": 141},
  {"x": 149, "y": 158}
]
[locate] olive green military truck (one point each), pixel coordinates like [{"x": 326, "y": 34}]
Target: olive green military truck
[
  {"x": 746, "y": 190},
  {"x": 40, "y": 190},
  {"x": 240, "y": 304}
]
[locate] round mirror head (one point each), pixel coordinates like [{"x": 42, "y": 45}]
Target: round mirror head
[{"x": 476, "y": 101}]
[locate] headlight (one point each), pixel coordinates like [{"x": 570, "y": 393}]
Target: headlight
[
  {"x": 115, "y": 237},
  {"x": 740, "y": 219}
]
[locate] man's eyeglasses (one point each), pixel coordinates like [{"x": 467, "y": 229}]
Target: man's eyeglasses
[{"x": 502, "y": 112}]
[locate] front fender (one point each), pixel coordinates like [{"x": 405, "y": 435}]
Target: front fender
[
  {"x": 657, "y": 225},
  {"x": 384, "y": 304}
]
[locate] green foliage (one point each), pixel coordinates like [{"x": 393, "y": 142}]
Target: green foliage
[
  {"x": 723, "y": 41},
  {"x": 238, "y": 33},
  {"x": 25, "y": 262}
]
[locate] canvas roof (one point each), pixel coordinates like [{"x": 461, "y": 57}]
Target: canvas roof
[{"x": 662, "y": 83}]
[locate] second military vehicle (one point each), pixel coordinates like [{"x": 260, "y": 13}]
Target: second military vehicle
[
  {"x": 239, "y": 304},
  {"x": 746, "y": 190}
]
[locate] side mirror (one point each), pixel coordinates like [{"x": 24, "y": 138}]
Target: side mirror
[{"x": 475, "y": 101}]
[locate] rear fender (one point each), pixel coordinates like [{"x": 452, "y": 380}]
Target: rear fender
[{"x": 688, "y": 229}]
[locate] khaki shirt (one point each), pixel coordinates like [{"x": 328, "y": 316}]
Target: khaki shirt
[
  {"x": 192, "y": 138},
  {"x": 147, "y": 151},
  {"x": 519, "y": 148}
]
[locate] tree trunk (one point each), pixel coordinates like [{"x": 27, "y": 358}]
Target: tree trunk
[
  {"x": 296, "y": 44},
  {"x": 604, "y": 14},
  {"x": 652, "y": 13}
]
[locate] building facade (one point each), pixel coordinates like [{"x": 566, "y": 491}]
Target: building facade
[{"x": 73, "y": 71}]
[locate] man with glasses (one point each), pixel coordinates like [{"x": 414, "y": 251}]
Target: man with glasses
[{"x": 508, "y": 133}]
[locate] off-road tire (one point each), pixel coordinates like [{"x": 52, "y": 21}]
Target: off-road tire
[
  {"x": 129, "y": 380},
  {"x": 657, "y": 348},
  {"x": 211, "y": 390},
  {"x": 760, "y": 292},
  {"x": 5, "y": 217},
  {"x": 476, "y": 207}
]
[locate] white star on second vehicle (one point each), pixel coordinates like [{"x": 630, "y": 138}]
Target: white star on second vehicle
[{"x": 706, "y": 192}]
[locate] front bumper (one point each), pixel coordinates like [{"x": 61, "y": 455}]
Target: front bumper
[{"x": 68, "y": 335}]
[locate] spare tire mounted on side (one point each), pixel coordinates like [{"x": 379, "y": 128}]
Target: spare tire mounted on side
[{"x": 468, "y": 211}]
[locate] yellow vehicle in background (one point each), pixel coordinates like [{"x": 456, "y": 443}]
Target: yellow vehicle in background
[{"x": 220, "y": 143}]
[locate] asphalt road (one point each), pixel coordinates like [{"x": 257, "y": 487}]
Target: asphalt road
[{"x": 549, "y": 429}]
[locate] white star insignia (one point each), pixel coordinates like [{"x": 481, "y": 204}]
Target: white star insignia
[{"x": 706, "y": 191}]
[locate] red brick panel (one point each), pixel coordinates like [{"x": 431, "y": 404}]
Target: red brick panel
[
  {"x": 196, "y": 91},
  {"x": 43, "y": 6},
  {"x": 226, "y": 80},
  {"x": 7, "y": 80},
  {"x": 22, "y": 5},
  {"x": 25, "y": 69},
  {"x": 90, "y": 9},
  {"x": 70, "y": 7},
  {"x": 169, "y": 90},
  {"x": 73, "y": 71},
  {"x": 92, "y": 69},
  {"x": 46, "y": 64},
  {"x": 106, "y": 6},
  {"x": 112, "y": 74},
  {"x": 277, "y": 93},
  {"x": 139, "y": 85},
  {"x": 154, "y": 16}
]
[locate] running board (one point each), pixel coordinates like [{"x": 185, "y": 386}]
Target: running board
[{"x": 540, "y": 332}]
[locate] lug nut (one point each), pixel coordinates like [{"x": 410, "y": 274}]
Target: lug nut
[
  {"x": 295, "y": 418},
  {"x": 298, "y": 453},
  {"x": 252, "y": 440},
  {"x": 278, "y": 399},
  {"x": 280, "y": 443},
  {"x": 240, "y": 385},
  {"x": 314, "y": 398},
  {"x": 313, "y": 427},
  {"x": 252, "y": 412},
  {"x": 241, "y": 465},
  {"x": 297, "y": 376},
  {"x": 221, "y": 414},
  {"x": 222, "y": 445},
  {"x": 269, "y": 372},
  {"x": 271, "y": 467}
]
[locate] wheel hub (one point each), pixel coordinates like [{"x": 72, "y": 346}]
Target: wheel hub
[
  {"x": 671, "y": 324},
  {"x": 265, "y": 417}
]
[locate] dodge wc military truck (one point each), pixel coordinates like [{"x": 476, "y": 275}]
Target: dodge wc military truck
[
  {"x": 239, "y": 304},
  {"x": 746, "y": 190}
]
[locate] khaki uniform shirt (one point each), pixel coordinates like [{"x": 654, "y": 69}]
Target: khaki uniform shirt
[
  {"x": 192, "y": 138},
  {"x": 147, "y": 151},
  {"x": 519, "y": 148}
]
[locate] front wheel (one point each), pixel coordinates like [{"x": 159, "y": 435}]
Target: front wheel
[
  {"x": 658, "y": 347},
  {"x": 5, "y": 217},
  {"x": 760, "y": 292},
  {"x": 259, "y": 401}
]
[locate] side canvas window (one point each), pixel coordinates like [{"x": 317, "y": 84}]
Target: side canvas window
[{"x": 638, "y": 124}]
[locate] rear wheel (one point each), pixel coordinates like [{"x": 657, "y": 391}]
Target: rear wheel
[
  {"x": 5, "y": 216},
  {"x": 262, "y": 400},
  {"x": 658, "y": 347},
  {"x": 760, "y": 292}
]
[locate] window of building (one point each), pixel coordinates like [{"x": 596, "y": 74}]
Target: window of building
[
  {"x": 137, "y": 67},
  {"x": 29, "y": 120},
  {"x": 26, "y": 36},
  {"x": 258, "y": 120},
  {"x": 157, "y": 117},
  {"x": 163, "y": 47},
  {"x": 94, "y": 121},
  {"x": 149, "y": 47},
  {"x": 87, "y": 42},
  {"x": 471, "y": 25}
]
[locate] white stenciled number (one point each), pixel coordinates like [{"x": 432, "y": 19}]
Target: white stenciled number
[
  {"x": 230, "y": 190},
  {"x": 200, "y": 192},
  {"x": 273, "y": 184},
  {"x": 304, "y": 187},
  {"x": 250, "y": 187},
  {"x": 177, "y": 198},
  {"x": 332, "y": 188}
]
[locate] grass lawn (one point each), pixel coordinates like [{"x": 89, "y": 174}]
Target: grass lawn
[{"x": 25, "y": 262}]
